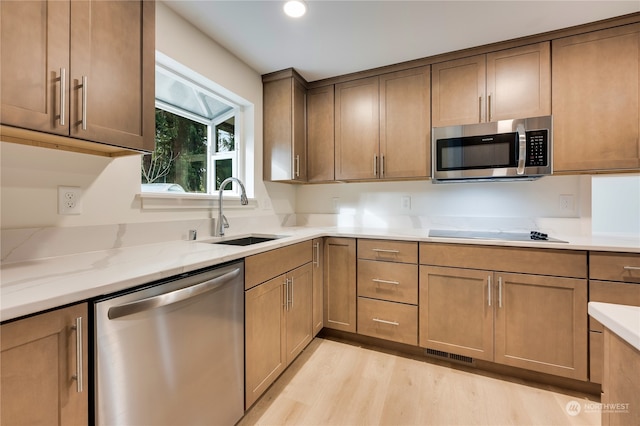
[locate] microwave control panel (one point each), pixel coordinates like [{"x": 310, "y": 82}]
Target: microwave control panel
[{"x": 537, "y": 148}]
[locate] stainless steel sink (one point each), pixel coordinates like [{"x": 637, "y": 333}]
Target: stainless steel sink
[{"x": 248, "y": 240}]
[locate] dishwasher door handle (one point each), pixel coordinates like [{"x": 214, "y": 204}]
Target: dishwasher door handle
[{"x": 171, "y": 297}]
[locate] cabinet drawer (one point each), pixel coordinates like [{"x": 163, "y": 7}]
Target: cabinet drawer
[
  {"x": 614, "y": 266},
  {"x": 388, "y": 320},
  {"x": 390, "y": 251},
  {"x": 264, "y": 266},
  {"x": 561, "y": 263},
  {"x": 610, "y": 292},
  {"x": 396, "y": 282}
]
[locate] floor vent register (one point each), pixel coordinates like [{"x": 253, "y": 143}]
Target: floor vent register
[{"x": 448, "y": 356}]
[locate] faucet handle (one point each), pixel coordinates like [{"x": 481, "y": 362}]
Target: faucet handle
[{"x": 225, "y": 222}]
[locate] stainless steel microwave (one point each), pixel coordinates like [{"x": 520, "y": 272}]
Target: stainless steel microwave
[{"x": 501, "y": 150}]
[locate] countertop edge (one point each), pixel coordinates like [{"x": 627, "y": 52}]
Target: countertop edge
[
  {"x": 623, "y": 320},
  {"x": 62, "y": 280}
]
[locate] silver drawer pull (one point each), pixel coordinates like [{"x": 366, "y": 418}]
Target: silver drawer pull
[
  {"x": 631, "y": 268},
  {"x": 376, "y": 280},
  {"x": 385, "y": 251},
  {"x": 78, "y": 376},
  {"x": 386, "y": 322}
]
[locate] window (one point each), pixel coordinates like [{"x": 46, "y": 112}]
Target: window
[{"x": 197, "y": 136}]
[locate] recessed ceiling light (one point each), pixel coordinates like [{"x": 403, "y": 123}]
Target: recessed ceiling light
[{"x": 295, "y": 8}]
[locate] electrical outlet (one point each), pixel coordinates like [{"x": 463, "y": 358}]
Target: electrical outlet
[
  {"x": 69, "y": 200},
  {"x": 405, "y": 202},
  {"x": 567, "y": 202}
]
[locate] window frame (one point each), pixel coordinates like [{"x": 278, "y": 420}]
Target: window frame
[{"x": 191, "y": 78}]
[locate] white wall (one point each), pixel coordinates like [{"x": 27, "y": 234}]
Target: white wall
[
  {"x": 30, "y": 176},
  {"x": 616, "y": 205}
]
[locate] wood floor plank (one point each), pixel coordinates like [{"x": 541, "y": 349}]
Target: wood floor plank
[{"x": 333, "y": 383}]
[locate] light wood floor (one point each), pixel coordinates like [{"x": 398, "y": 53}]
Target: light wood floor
[{"x": 333, "y": 383}]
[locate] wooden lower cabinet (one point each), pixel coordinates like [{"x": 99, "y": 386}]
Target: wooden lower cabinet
[
  {"x": 318, "y": 284},
  {"x": 524, "y": 320},
  {"x": 340, "y": 284},
  {"x": 456, "y": 312},
  {"x": 37, "y": 367},
  {"x": 541, "y": 324},
  {"x": 397, "y": 322},
  {"x": 278, "y": 326},
  {"x": 620, "y": 384}
]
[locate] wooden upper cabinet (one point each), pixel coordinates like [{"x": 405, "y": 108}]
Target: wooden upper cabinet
[
  {"x": 34, "y": 39},
  {"x": 596, "y": 107},
  {"x": 83, "y": 69},
  {"x": 357, "y": 129},
  {"x": 519, "y": 82},
  {"x": 458, "y": 91},
  {"x": 113, "y": 67},
  {"x": 405, "y": 124},
  {"x": 285, "y": 144},
  {"x": 382, "y": 126},
  {"x": 320, "y": 137},
  {"x": 512, "y": 83}
]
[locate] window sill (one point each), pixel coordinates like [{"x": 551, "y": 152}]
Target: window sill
[{"x": 162, "y": 201}]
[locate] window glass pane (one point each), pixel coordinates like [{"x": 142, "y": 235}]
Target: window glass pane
[
  {"x": 223, "y": 169},
  {"x": 225, "y": 136},
  {"x": 180, "y": 156}
]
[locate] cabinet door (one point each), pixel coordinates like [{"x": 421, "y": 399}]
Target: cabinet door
[
  {"x": 340, "y": 284},
  {"x": 541, "y": 324},
  {"x": 456, "y": 312},
  {"x": 405, "y": 124},
  {"x": 265, "y": 351},
  {"x": 596, "y": 108},
  {"x": 285, "y": 152},
  {"x": 320, "y": 136},
  {"x": 519, "y": 82},
  {"x": 34, "y": 41},
  {"x": 357, "y": 129},
  {"x": 318, "y": 284},
  {"x": 37, "y": 366},
  {"x": 112, "y": 72},
  {"x": 458, "y": 91},
  {"x": 299, "y": 311}
]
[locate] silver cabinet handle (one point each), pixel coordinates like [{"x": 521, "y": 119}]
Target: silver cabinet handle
[
  {"x": 522, "y": 143},
  {"x": 375, "y": 164},
  {"x": 171, "y": 297},
  {"x": 489, "y": 107},
  {"x": 480, "y": 109},
  {"x": 84, "y": 102},
  {"x": 500, "y": 292},
  {"x": 381, "y": 165},
  {"x": 376, "y": 280},
  {"x": 78, "y": 376},
  {"x": 316, "y": 254},
  {"x": 385, "y": 251},
  {"x": 285, "y": 303},
  {"x": 63, "y": 93},
  {"x": 291, "y": 293},
  {"x": 489, "y": 290},
  {"x": 386, "y": 322},
  {"x": 298, "y": 165},
  {"x": 631, "y": 268}
]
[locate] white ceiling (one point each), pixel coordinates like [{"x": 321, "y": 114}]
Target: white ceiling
[{"x": 340, "y": 37}]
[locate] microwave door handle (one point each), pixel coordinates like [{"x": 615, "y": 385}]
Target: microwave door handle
[{"x": 522, "y": 148}]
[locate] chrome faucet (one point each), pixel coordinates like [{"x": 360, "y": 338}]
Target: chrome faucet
[{"x": 222, "y": 220}]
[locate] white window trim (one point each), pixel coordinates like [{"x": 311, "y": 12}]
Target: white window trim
[{"x": 167, "y": 201}]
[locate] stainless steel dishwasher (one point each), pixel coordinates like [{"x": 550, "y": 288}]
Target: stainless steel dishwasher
[{"x": 172, "y": 353}]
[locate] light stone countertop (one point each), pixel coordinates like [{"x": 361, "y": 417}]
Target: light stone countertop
[
  {"x": 32, "y": 286},
  {"x": 622, "y": 320}
]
